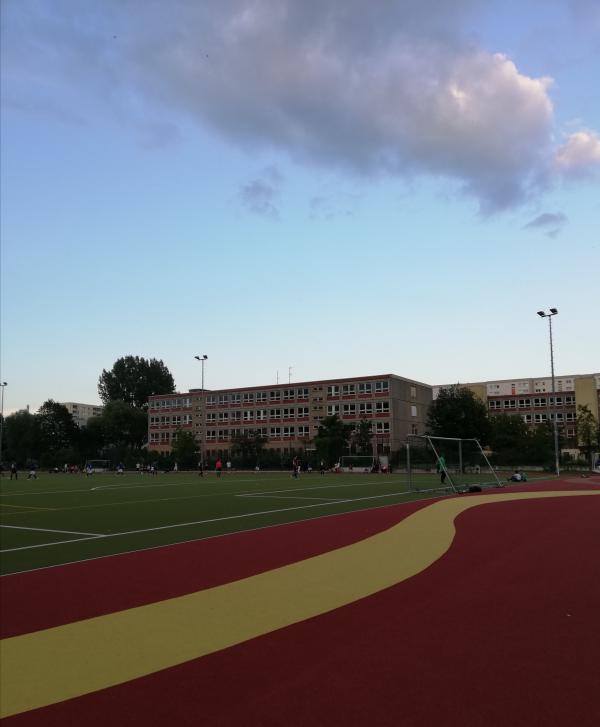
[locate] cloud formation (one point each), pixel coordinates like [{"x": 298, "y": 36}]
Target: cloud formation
[
  {"x": 549, "y": 222},
  {"x": 259, "y": 195},
  {"x": 389, "y": 88}
]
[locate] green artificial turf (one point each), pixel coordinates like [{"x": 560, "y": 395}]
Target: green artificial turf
[{"x": 62, "y": 518}]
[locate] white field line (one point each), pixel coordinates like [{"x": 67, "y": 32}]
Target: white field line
[
  {"x": 209, "y": 521},
  {"x": 290, "y": 497},
  {"x": 48, "y": 530}
]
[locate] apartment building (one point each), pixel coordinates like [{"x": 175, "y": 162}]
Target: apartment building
[
  {"x": 535, "y": 402},
  {"x": 288, "y": 415},
  {"x": 82, "y": 413}
]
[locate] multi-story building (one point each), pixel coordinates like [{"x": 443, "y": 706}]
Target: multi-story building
[
  {"x": 288, "y": 415},
  {"x": 81, "y": 413},
  {"x": 536, "y": 403}
]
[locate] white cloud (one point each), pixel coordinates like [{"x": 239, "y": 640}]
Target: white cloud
[
  {"x": 579, "y": 156},
  {"x": 386, "y": 88}
]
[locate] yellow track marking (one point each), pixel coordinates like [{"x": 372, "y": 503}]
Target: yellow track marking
[{"x": 45, "y": 667}]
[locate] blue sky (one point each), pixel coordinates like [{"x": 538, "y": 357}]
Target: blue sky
[{"x": 340, "y": 187}]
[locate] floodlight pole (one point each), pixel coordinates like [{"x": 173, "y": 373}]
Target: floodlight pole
[
  {"x": 202, "y": 359},
  {"x": 2, "y": 385},
  {"x": 543, "y": 314}
]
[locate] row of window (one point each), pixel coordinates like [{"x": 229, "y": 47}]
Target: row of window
[
  {"x": 166, "y": 420},
  {"x": 570, "y": 416},
  {"x": 249, "y": 397},
  {"x": 363, "y": 409},
  {"x": 179, "y": 403},
  {"x": 363, "y": 389},
  {"x": 537, "y": 402}
]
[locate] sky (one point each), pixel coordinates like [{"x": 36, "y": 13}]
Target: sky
[{"x": 340, "y": 187}]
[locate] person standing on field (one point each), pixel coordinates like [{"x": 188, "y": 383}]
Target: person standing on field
[
  {"x": 14, "y": 471},
  {"x": 441, "y": 468},
  {"x": 219, "y": 467}
]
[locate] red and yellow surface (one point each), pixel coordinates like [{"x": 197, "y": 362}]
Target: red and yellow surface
[{"x": 481, "y": 609}]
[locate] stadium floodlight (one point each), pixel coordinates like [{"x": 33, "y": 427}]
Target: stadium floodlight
[
  {"x": 2, "y": 385},
  {"x": 202, "y": 359},
  {"x": 543, "y": 314}
]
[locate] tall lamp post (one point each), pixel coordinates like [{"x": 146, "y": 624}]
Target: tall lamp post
[
  {"x": 2, "y": 385},
  {"x": 202, "y": 359},
  {"x": 549, "y": 315}
]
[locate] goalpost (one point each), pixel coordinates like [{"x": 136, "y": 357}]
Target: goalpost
[
  {"x": 458, "y": 463},
  {"x": 357, "y": 463}
]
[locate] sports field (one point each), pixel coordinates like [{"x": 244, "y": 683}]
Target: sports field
[
  {"x": 359, "y": 605},
  {"x": 67, "y": 518}
]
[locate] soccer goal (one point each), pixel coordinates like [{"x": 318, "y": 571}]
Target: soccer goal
[
  {"x": 98, "y": 465},
  {"x": 357, "y": 463},
  {"x": 448, "y": 463}
]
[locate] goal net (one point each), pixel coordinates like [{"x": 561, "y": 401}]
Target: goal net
[
  {"x": 447, "y": 463},
  {"x": 357, "y": 463}
]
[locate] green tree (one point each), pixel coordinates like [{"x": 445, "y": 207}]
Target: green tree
[
  {"x": 509, "y": 437},
  {"x": 362, "y": 437},
  {"x": 21, "y": 438},
  {"x": 332, "y": 438},
  {"x": 185, "y": 449},
  {"x": 58, "y": 433},
  {"x": 587, "y": 430},
  {"x": 248, "y": 447},
  {"x": 133, "y": 379},
  {"x": 124, "y": 425},
  {"x": 457, "y": 412}
]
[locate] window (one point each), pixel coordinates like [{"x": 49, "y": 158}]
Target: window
[
  {"x": 303, "y": 431},
  {"x": 382, "y": 427},
  {"x": 236, "y": 399},
  {"x": 211, "y": 400},
  {"x": 288, "y": 431},
  {"x": 365, "y": 409},
  {"x": 349, "y": 410},
  {"x": 223, "y": 434},
  {"x": 381, "y": 386},
  {"x": 223, "y": 399},
  {"x": 248, "y": 397},
  {"x": 333, "y": 409},
  {"x": 510, "y": 403},
  {"x": 526, "y": 418},
  {"x": 540, "y": 418},
  {"x": 275, "y": 414},
  {"x": 248, "y": 415},
  {"x": 275, "y": 395},
  {"x": 235, "y": 416},
  {"x": 569, "y": 401},
  {"x": 413, "y": 410},
  {"x": 302, "y": 393},
  {"x": 413, "y": 393},
  {"x": 414, "y": 429},
  {"x": 223, "y": 416},
  {"x": 302, "y": 411},
  {"x": 289, "y": 394},
  {"x": 570, "y": 416},
  {"x": 289, "y": 413},
  {"x": 559, "y": 401},
  {"x": 539, "y": 402},
  {"x": 365, "y": 389},
  {"x": 275, "y": 432},
  {"x": 211, "y": 434},
  {"x": 570, "y": 432},
  {"x": 333, "y": 390},
  {"x": 187, "y": 419},
  {"x": 383, "y": 407},
  {"x": 524, "y": 403},
  {"x": 211, "y": 418},
  {"x": 261, "y": 396},
  {"x": 261, "y": 414},
  {"x": 348, "y": 389},
  {"x": 495, "y": 404}
]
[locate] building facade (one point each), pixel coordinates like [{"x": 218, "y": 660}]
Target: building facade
[
  {"x": 289, "y": 415},
  {"x": 82, "y": 413},
  {"x": 535, "y": 402}
]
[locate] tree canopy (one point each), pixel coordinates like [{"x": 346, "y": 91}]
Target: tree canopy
[
  {"x": 332, "y": 438},
  {"x": 457, "y": 412},
  {"x": 133, "y": 379}
]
